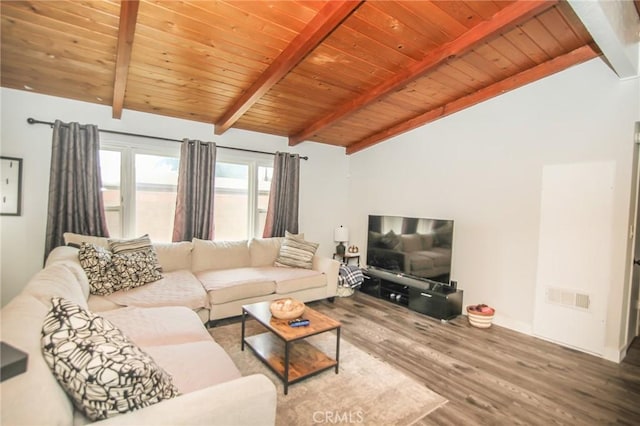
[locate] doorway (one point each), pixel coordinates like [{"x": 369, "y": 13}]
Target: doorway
[{"x": 633, "y": 329}]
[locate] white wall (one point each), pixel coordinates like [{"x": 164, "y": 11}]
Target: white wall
[
  {"x": 322, "y": 178},
  {"x": 483, "y": 168}
]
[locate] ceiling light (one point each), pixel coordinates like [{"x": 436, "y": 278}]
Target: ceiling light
[{"x": 28, "y": 87}]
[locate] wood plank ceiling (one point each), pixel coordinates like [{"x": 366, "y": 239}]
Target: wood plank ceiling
[{"x": 349, "y": 74}]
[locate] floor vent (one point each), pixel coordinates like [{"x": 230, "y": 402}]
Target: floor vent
[{"x": 568, "y": 298}]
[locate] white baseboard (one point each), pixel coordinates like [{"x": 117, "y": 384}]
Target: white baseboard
[
  {"x": 610, "y": 354},
  {"x": 616, "y": 355},
  {"x": 511, "y": 324}
]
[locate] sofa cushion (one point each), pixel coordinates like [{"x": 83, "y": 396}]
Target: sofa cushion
[
  {"x": 419, "y": 261},
  {"x": 441, "y": 256},
  {"x": 296, "y": 252},
  {"x": 62, "y": 254},
  {"x": 444, "y": 234},
  {"x": 174, "y": 256},
  {"x": 76, "y": 240},
  {"x": 235, "y": 284},
  {"x": 176, "y": 288},
  {"x": 264, "y": 251},
  {"x": 294, "y": 279},
  {"x": 427, "y": 241},
  {"x": 430, "y": 258},
  {"x": 217, "y": 255},
  {"x": 135, "y": 245},
  {"x": 195, "y": 365},
  {"x": 103, "y": 372},
  {"x": 158, "y": 326},
  {"x": 411, "y": 242},
  {"x": 62, "y": 279}
]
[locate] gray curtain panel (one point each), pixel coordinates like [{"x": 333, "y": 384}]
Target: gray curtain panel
[
  {"x": 282, "y": 213},
  {"x": 75, "y": 199},
  {"x": 194, "y": 203}
]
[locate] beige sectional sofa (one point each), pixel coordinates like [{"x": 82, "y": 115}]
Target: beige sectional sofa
[
  {"x": 212, "y": 391},
  {"x": 203, "y": 281},
  {"x": 215, "y": 278}
]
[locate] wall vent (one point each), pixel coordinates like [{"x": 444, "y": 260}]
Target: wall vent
[{"x": 568, "y": 298}]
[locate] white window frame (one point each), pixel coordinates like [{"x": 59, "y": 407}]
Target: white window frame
[
  {"x": 253, "y": 161},
  {"x": 128, "y": 149}
]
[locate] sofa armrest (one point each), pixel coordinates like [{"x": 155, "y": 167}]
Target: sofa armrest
[
  {"x": 330, "y": 268},
  {"x": 61, "y": 254},
  {"x": 249, "y": 400}
]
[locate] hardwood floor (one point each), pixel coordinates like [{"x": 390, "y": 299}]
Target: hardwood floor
[{"x": 494, "y": 376}]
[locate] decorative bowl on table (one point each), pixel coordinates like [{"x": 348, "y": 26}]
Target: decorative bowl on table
[
  {"x": 480, "y": 316},
  {"x": 286, "y": 308}
]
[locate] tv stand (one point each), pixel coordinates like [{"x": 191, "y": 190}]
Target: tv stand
[{"x": 421, "y": 295}]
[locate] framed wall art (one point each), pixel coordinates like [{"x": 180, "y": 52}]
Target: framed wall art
[{"x": 10, "y": 186}]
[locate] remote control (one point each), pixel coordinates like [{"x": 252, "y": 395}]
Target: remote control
[{"x": 299, "y": 322}]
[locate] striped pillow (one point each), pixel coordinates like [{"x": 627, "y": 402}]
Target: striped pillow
[
  {"x": 295, "y": 252},
  {"x": 140, "y": 244}
]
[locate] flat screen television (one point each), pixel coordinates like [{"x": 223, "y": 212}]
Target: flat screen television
[{"x": 418, "y": 248}]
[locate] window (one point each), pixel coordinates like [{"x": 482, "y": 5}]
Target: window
[
  {"x": 140, "y": 185},
  {"x": 242, "y": 197},
  {"x": 139, "y": 189}
]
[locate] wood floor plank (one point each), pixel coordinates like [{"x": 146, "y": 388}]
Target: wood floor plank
[{"x": 492, "y": 376}]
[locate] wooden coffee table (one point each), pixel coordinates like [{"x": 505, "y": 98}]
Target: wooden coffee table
[{"x": 283, "y": 348}]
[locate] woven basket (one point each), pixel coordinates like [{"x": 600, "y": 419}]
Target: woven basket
[
  {"x": 286, "y": 308},
  {"x": 480, "y": 319},
  {"x": 344, "y": 291}
]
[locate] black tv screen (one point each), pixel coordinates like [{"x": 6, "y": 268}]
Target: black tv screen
[{"x": 415, "y": 247}]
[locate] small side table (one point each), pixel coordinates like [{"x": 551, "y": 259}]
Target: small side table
[{"x": 345, "y": 258}]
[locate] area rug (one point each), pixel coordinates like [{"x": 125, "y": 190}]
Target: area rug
[{"x": 366, "y": 391}]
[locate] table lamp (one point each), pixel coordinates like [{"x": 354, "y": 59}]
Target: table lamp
[{"x": 341, "y": 234}]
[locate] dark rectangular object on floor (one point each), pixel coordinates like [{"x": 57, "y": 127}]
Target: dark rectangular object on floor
[{"x": 14, "y": 361}]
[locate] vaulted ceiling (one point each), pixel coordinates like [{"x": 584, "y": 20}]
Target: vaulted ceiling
[{"x": 349, "y": 74}]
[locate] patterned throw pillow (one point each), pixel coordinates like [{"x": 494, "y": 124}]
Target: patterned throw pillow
[
  {"x": 295, "y": 252},
  {"x": 102, "y": 371},
  {"x": 135, "y": 269},
  {"x": 109, "y": 272},
  {"x": 135, "y": 245},
  {"x": 96, "y": 262}
]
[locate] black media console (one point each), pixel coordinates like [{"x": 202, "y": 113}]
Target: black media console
[{"x": 421, "y": 295}]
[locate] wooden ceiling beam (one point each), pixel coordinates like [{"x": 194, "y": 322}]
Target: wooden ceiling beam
[
  {"x": 323, "y": 24},
  {"x": 126, "y": 31},
  {"x": 542, "y": 70},
  {"x": 502, "y": 21}
]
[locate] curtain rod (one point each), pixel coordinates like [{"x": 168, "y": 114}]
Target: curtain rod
[{"x": 115, "y": 132}]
